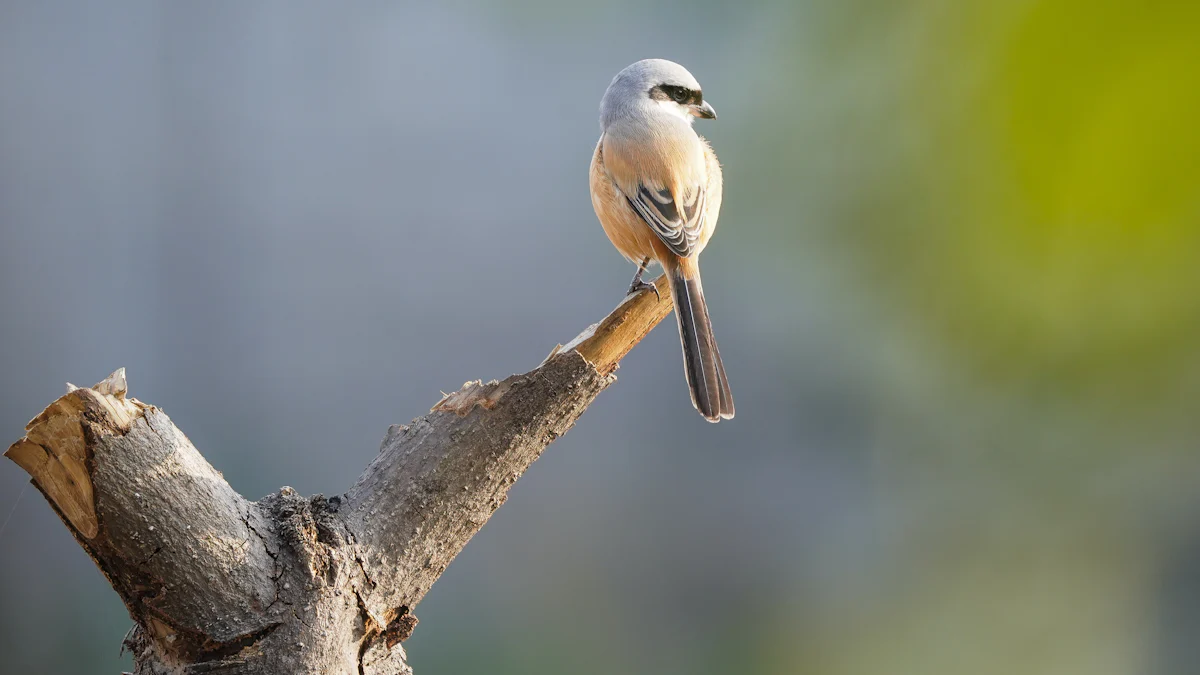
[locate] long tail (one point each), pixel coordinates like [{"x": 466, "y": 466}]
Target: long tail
[{"x": 701, "y": 359}]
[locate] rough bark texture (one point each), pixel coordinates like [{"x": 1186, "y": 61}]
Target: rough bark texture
[{"x": 218, "y": 584}]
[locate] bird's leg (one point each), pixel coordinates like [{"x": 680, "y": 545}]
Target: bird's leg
[{"x": 637, "y": 284}]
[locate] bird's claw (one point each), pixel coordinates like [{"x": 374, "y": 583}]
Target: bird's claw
[{"x": 640, "y": 285}]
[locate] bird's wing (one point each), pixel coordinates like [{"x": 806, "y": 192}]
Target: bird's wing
[
  {"x": 676, "y": 216},
  {"x": 664, "y": 178}
]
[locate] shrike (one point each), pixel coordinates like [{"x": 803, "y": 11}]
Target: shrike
[{"x": 656, "y": 187}]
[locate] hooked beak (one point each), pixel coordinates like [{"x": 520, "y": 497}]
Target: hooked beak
[{"x": 704, "y": 110}]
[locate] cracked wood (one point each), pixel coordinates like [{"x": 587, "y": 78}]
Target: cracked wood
[{"x": 219, "y": 584}]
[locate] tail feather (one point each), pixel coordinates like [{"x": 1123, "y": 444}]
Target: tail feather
[{"x": 702, "y": 365}]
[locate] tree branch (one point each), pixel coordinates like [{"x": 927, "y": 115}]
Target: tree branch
[{"x": 218, "y": 584}]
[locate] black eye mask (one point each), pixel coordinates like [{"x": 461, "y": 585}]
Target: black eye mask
[{"x": 673, "y": 92}]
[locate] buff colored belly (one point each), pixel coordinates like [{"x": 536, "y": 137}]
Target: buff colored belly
[{"x": 624, "y": 227}]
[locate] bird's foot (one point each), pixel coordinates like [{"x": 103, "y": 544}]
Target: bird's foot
[{"x": 639, "y": 285}]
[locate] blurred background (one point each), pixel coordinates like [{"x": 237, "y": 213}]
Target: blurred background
[{"x": 956, "y": 285}]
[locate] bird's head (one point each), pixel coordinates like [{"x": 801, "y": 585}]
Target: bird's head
[{"x": 655, "y": 85}]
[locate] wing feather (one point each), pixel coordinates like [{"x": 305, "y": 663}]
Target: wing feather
[
  {"x": 664, "y": 177},
  {"x": 677, "y": 219}
]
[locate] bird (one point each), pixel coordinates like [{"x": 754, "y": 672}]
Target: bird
[{"x": 656, "y": 188}]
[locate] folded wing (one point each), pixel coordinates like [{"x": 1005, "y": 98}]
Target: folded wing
[{"x": 677, "y": 219}]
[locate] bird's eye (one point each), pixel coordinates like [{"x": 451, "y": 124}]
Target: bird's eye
[{"x": 679, "y": 94}]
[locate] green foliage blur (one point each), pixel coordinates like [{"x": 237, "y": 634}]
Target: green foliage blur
[{"x": 1014, "y": 187}]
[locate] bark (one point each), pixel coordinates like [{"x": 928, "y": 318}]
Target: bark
[{"x": 219, "y": 584}]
